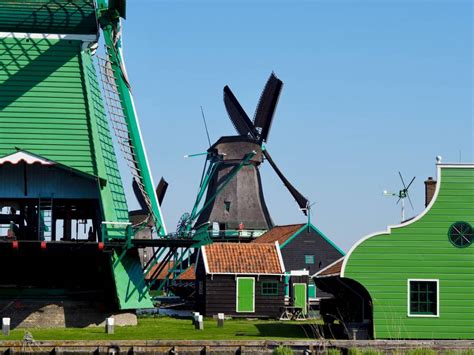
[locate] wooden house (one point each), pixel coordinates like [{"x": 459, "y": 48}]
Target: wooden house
[
  {"x": 240, "y": 280},
  {"x": 416, "y": 279},
  {"x": 303, "y": 248}
]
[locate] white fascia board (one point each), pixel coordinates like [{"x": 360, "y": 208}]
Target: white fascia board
[
  {"x": 204, "y": 259},
  {"x": 403, "y": 224},
  {"x": 280, "y": 258},
  {"x": 76, "y": 37}
]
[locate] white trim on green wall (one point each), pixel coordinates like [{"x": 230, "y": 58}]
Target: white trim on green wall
[{"x": 437, "y": 299}]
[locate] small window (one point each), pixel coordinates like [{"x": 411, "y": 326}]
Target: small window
[
  {"x": 227, "y": 206},
  {"x": 309, "y": 259},
  {"x": 423, "y": 298},
  {"x": 269, "y": 288}
]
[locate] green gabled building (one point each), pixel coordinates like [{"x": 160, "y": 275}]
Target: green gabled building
[
  {"x": 416, "y": 280},
  {"x": 61, "y": 195}
]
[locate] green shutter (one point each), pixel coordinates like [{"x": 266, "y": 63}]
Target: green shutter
[
  {"x": 299, "y": 291},
  {"x": 312, "y": 291},
  {"x": 245, "y": 294}
]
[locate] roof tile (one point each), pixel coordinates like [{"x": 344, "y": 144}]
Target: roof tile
[
  {"x": 244, "y": 258},
  {"x": 279, "y": 234}
]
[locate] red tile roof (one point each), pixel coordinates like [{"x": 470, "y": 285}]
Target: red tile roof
[
  {"x": 333, "y": 269},
  {"x": 246, "y": 258},
  {"x": 188, "y": 275},
  {"x": 279, "y": 234},
  {"x": 163, "y": 272}
]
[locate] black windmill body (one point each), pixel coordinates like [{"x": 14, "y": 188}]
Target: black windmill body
[{"x": 240, "y": 204}]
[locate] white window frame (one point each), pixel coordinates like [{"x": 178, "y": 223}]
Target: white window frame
[
  {"x": 437, "y": 299},
  {"x": 237, "y": 294}
]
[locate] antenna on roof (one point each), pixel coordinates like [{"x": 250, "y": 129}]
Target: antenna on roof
[
  {"x": 205, "y": 125},
  {"x": 402, "y": 195},
  {"x": 307, "y": 211}
]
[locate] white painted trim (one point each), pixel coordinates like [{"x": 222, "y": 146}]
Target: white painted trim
[
  {"x": 303, "y": 272},
  {"x": 72, "y": 37},
  {"x": 282, "y": 264},
  {"x": 327, "y": 267},
  {"x": 25, "y": 157},
  {"x": 437, "y": 299},
  {"x": 204, "y": 259},
  {"x": 406, "y": 223},
  {"x": 258, "y": 274},
  {"x": 456, "y": 165},
  {"x": 237, "y": 294}
]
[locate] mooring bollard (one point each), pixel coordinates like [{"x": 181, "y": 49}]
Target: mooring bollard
[
  {"x": 109, "y": 325},
  {"x": 220, "y": 320},
  {"x": 195, "y": 317},
  {"x": 6, "y": 326},
  {"x": 199, "y": 325}
]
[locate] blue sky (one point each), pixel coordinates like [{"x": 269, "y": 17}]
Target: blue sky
[{"x": 370, "y": 88}]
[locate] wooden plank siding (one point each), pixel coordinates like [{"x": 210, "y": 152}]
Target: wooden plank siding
[
  {"x": 421, "y": 250},
  {"x": 309, "y": 242},
  {"x": 46, "y": 16},
  {"x": 220, "y": 296},
  {"x": 42, "y": 101}
]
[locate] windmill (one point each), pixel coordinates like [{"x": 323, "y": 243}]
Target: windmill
[
  {"x": 121, "y": 108},
  {"x": 402, "y": 195},
  {"x": 234, "y": 198}
]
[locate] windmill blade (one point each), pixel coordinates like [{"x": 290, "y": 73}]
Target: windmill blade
[
  {"x": 266, "y": 106},
  {"x": 403, "y": 182},
  {"x": 120, "y": 6},
  {"x": 411, "y": 182},
  {"x": 300, "y": 199},
  {"x": 409, "y": 200},
  {"x": 139, "y": 195},
  {"x": 161, "y": 190},
  {"x": 398, "y": 200},
  {"x": 237, "y": 114}
]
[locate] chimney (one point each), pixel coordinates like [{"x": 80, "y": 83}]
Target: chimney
[{"x": 430, "y": 188}]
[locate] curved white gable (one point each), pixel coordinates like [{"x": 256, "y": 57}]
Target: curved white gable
[{"x": 389, "y": 228}]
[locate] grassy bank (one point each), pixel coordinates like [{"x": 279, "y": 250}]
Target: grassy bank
[{"x": 167, "y": 328}]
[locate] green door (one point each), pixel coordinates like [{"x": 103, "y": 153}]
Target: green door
[
  {"x": 245, "y": 294},
  {"x": 299, "y": 292}
]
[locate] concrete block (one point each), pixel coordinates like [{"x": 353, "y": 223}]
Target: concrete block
[
  {"x": 6, "y": 326},
  {"x": 199, "y": 325},
  {"x": 220, "y": 320},
  {"x": 195, "y": 317},
  {"x": 109, "y": 325}
]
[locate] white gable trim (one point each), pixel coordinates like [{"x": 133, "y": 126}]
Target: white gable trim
[
  {"x": 280, "y": 258},
  {"x": 425, "y": 211},
  {"x": 204, "y": 259},
  {"x": 29, "y": 159},
  {"x": 23, "y": 35}
]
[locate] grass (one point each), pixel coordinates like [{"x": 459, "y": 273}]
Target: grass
[{"x": 167, "y": 328}]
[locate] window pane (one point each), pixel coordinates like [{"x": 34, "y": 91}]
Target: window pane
[
  {"x": 270, "y": 288},
  {"x": 423, "y": 297},
  {"x": 309, "y": 259}
]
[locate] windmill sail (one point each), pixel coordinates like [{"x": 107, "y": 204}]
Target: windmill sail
[
  {"x": 263, "y": 118},
  {"x": 266, "y": 106},
  {"x": 122, "y": 110}
]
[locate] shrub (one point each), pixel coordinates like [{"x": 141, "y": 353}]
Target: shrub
[{"x": 282, "y": 350}]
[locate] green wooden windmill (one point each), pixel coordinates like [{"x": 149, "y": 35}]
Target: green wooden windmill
[{"x": 62, "y": 201}]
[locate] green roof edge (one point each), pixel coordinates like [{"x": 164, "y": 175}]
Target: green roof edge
[{"x": 309, "y": 224}]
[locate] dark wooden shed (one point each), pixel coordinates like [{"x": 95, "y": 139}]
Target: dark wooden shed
[
  {"x": 240, "y": 280},
  {"x": 303, "y": 247}
]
